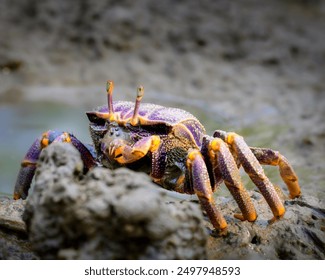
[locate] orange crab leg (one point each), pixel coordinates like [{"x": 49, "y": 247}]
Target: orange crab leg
[
  {"x": 270, "y": 157},
  {"x": 223, "y": 163},
  {"x": 256, "y": 173},
  {"x": 200, "y": 182}
]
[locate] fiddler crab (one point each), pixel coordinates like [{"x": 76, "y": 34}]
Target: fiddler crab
[{"x": 171, "y": 145}]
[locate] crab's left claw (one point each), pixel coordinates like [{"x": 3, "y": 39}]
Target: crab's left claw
[{"x": 122, "y": 152}]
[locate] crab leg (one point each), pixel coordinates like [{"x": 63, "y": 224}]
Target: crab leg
[
  {"x": 27, "y": 170},
  {"x": 255, "y": 172},
  {"x": 270, "y": 157},
  {"x": 158, "y": 163},
  {"x": 223, "y": 163},
  {"x": 28, "y": 164},
  {"x": 200, "y": 181}
]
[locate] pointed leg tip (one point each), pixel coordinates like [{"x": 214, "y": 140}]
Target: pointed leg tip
[
  {"x": 294, "y": 195},
  {"x": 251, "y": 217},
  {"x": 281, "y": 212},
  {"x": 20, "y": 194},
  {"x": 219, "y": 223},
  {"x": 278, "y": 214},
  {"x": 218, "y": 232},
  {"x": 239, "y": 217}
]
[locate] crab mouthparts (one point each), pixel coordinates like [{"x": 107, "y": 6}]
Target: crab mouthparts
[{"x": 114, "y": 149}]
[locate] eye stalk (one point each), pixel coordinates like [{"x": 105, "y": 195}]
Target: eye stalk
[
  {"x": 101, "y": 117},
  {"x": 135, "y": 117},
  {"x": 109, "y": 90}
]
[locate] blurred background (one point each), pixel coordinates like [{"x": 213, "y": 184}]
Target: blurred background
[{"x": 254, "y": 67}]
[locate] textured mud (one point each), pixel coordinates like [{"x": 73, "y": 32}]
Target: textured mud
[
  {"x": 14, "y": 244},
  {"x": 122, "y": 215},
  {"x": 300, "y": 234},
  {"x": 107, "y": 214}
]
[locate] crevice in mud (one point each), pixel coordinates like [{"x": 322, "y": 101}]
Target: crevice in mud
[
  {"x": 301, "y": 203},
  {"x": 256, "y": 240},
  {"x": 315, "y": 239}
]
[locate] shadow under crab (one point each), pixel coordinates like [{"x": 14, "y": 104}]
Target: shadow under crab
[{"x": 171, "y": 145}]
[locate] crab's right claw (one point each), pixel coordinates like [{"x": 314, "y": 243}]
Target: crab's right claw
[{"x": 28, "y": 164}]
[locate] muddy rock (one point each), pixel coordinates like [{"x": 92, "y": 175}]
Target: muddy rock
[
  {"x": 300, "y": 234},
  {"x": 11, "y": 212},
  {"x": 107, "y": 214},
  {"x": 14, "y": 244}
]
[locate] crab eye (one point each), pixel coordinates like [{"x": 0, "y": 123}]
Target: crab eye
[{"x": 92, "y": 117}]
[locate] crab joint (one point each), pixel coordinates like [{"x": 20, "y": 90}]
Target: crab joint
[
  {"x": 27, "y": 162},
  {"x": 192, "y": 155},
  {"x": 230, "y": 138},
  {"x": 45, "y": 140},
  {"x": 155, "y": 142},
  {"x": 66, "y": 137},
  {"x": 215, "y": 144}
]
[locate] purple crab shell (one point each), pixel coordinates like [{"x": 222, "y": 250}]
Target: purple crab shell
[{"x": 159, "y": 115}]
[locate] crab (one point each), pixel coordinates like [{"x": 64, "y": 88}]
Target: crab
[{"x": 171, "y": 146}]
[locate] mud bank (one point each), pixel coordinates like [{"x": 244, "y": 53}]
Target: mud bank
[{"x": 122, "y": 215}]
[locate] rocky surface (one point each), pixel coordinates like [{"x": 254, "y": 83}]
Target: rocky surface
[
  {"x": 300, "y": 234},
  {"x": 122, "y": 215},
  {"x": 11, "y": 213},
  {"x": 107, "y": 214},
  {"x": 14, "y": 244}
]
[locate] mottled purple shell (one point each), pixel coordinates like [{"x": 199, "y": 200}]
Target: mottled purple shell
[{"x": 159, "y": 115}]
